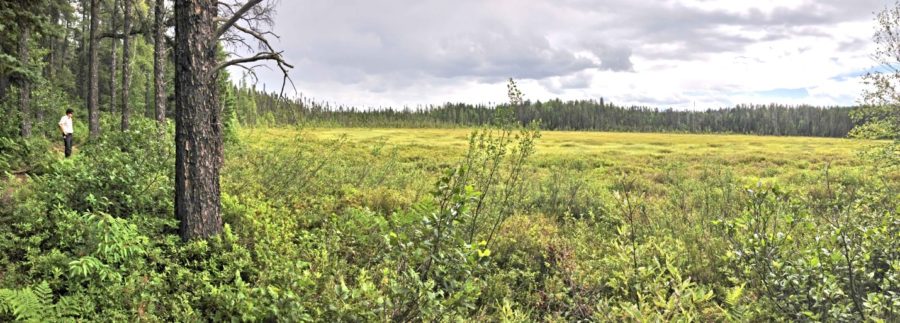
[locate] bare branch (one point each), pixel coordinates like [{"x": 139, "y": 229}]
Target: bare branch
[
  {"x": 265, "y": 56},
  {"x": 243, "y": 23},
  {"x": 270, "y": 56},
  {"x": 249, "y": 71},
  {"x": 227, "y": 6},
  {"x": 264, "y": 43},
  {"x": 234, "y": 18}
]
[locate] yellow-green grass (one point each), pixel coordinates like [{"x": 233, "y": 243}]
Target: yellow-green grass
[{"x": 755, "y": 158}]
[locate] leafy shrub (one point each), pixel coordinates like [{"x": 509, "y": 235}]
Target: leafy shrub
[
  {"x": 837, "y": 262},
  {"x": 32, "y": 156}
]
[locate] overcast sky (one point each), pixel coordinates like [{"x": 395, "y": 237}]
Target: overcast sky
[{"x": 667, "y": 53}]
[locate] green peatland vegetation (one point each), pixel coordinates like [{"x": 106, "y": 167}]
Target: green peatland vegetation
[{"x": 498, "y": 223}]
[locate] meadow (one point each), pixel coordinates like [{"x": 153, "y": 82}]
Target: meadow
[
  {"x": 604, "y": 156},
  {"x": 505, "y": 224}
]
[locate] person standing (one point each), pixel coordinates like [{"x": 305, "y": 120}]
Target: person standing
[{"x": 65, "y": 125}]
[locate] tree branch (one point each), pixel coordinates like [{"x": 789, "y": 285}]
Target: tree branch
[
  {"x": 266, "y": 56},
  {"x": 249, "y": 71},
  {"x": 259, "y": 36},
  {"x": 270, "y": 56},
  {"x": 234, "y": 18},
  {"x": 252, "y": 14},
  {"x": 135, "y": 31}
]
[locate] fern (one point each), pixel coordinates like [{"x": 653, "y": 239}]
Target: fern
[
  {"x": 30, "y": 304},
  {"x": 734, "y": 295}
]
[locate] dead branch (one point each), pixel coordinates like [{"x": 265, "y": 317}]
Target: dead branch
[
  {"x": 234, "y": 18},
  {"x": 248, "y": 20}
]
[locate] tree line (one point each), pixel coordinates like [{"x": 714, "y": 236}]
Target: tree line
[{"x": 257, "y": 106}]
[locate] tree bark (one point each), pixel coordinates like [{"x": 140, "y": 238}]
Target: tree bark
[
  {"x": 64, "y": 49},
  {"x": 4, "y": 86},
  {"x": 198, "y": 128},
  {"x": 93, "y": 65},
  {"x": 126, "y": 68},
  {"x": 84, "y": 70},
  {"x": 52, "y": 45},
  {"x": 113, "y": 60},
  {"x": 25, "y": 85},
  {"x": 148, "y": 93},
  {"x": 159, "y": 63}
]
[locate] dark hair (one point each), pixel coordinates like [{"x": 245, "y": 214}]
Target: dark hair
[{"x": 69, "y": 111}]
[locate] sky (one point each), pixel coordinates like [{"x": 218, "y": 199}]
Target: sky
[{"x": 686, "y": 54}]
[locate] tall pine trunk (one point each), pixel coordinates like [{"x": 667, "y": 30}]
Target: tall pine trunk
[
  {"x": 198, "y": 128},
  {"x": 126, "y": 66},
  {"x": 64, "y": 48},
  {"x": 4, "y": 86},
  {"x": 84, "y": 70},
  {"x": 52, "y": 44},
  {"x": 159, "y": 63},
  {"x": 113, "y": 60},
  {"x": 93, "y": 65},
  {"x": 25, "y": 85}
]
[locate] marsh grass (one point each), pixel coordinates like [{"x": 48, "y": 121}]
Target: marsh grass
[{"x": 600, "y": 156}]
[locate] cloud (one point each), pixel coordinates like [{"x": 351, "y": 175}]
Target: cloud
[
  {"x": 560, "y": 84},
  {"x": 798, "y": 93},
  {"x": 655, "y": 52}
]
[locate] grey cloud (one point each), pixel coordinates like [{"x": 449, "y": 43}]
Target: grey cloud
[
  {"x": 577, "y": 81},
  {"x": 692, "y": 34},
  {"x": 616, "y": 59},
  {"x": 427, "y": 38},
  {"x": 853, "y": 45},
  {"x": 664, "y": 102},
  {"x": 389, "y": 45}
]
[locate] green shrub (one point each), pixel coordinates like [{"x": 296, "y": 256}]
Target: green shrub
[{"x": 21, "y": 156}]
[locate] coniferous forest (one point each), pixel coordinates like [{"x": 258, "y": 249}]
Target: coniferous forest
[
  {"x": 593, "y": 115},
  {"x": 192, "y": 197}
]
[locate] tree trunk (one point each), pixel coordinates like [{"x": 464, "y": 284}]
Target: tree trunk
[
  {"x": 93, "y": 65},
  {"x": 126, "y": 67},
  {"x": 64, "y": 50},
  {"x": 198, "y": 134},
  {"x": 25, "y": 85},
  {"x": 4, "y": 86},
  {"x": 52, "y": 44},
  {"x": 113, "y": 61},
  {"x": 84, "y": 70},
  {"x": 148, "y": 93},
  {"x": 159, "y": 63}
]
